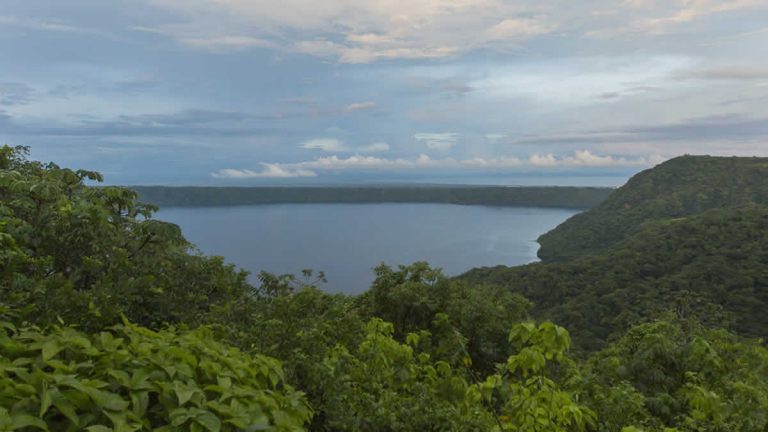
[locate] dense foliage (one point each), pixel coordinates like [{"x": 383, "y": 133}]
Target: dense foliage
[
  {"x": 110, "y": 320},
  {"x": 529, "y": 196},
  {"x": 677, "y": 188},
  {"x": 132, "y": 379},
  {"x": 712, "y": 266},
  {"x": 87, "y": 255}
]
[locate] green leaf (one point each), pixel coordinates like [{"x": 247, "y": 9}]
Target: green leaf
[
  {"x": 66, "y": 408},
  {"x": 209, "y": 421},
  {"x": 184, "y": 392},
  {"x": 20, "y": 421},
  {"x": 49, "y": 349},
  {"x": 45, "y": 400}
]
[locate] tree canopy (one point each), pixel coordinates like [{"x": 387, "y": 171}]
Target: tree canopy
[{"x": 111, "y": 321}]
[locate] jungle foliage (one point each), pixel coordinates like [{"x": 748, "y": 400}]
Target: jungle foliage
[
  {"x": 111, "y": 321},
  {"x": 680, "y": 187},
  {"x": 711, "y": 266}
]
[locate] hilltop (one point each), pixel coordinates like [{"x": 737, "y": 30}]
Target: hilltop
[{"x": 680, "y": 187}]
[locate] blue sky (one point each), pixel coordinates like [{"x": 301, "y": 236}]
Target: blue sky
[{"x": 244, "y": 92}]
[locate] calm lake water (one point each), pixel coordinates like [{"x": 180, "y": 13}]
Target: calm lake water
[{"x": 348, "y": 240}]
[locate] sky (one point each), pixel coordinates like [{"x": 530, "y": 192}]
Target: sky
[{"x": 249, "y": 92}]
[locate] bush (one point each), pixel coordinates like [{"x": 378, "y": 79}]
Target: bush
[{"x": 133, "y": 379}]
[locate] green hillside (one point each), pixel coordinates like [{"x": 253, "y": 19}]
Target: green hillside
[
  {"x": 711, "y": 265},
  {"x": 680, "y": 187}
]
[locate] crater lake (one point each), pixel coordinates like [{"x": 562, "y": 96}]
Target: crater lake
[{"x": 347, "y": 241}]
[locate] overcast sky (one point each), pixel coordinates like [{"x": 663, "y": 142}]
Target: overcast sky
[{"x": 321, "y": 91}]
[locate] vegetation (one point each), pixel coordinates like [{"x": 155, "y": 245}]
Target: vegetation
[
  {"x": 112, "y": 321},
  {"x": 130, "y": 379},
  {"x": 680, "y": 187},
  {"x": 711, "y": 266},
  {"x": 529, "y": 196}
]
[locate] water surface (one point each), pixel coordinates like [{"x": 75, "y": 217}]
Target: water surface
[{"x": 348, "y": 240}]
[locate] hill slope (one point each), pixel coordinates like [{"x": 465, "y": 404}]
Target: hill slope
[
  {"x": 680, "y": 187},
  {"x": 712, "y": 265}
]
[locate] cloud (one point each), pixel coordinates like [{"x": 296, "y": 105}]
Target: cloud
[
  {"x": 39, "y": 24},
  {"x": 193, "y": 38},
  {"x": 367, "y": 31},
  {"x": 324, "y": 144},
  {"x": 268, "y": 171},
  {"x": 548, "y": 160},
  {"x": 226, "y": 43},
  {"x": 518, "y": 28},
  {"x": 359, "y": 106},
  {"x": 579, "y": 81},
  {"x": 450, "y": 87},
  {"x": 495, "y": 137},
  {"x": 636, "y": 18},
  {"x": 375, "y": 147},
  {"x": 336, "y": 145},
  {"x": 697, "y": 130},
  {"x": 15, "y": 94},
  {"x": 735, "y": 73},
  {"x": 691, "y": 10},
  {"x": 358, "y": 32},
  {"x": 186, "y": 123},
  {"x": 719, "y": 127},
  {"x": 580, "y": 159},
  {"x": 357, "y": 162},
  {"x": 186, "y": 117},
  {"x": 438, "y": 141},
  {"x": 585, "y": 158}
]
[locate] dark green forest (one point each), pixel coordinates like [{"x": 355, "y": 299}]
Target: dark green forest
[
  {"x": 680, "y": 187},
  {"x": 528, "y": 196},
  {"x": 650, "y": 321}
]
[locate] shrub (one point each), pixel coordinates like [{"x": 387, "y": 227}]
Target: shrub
[{"x": 133, "y": 379}]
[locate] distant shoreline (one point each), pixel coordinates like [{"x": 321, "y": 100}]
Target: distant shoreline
[{"x": 570, "y": 197}]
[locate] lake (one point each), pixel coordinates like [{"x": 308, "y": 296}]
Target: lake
[{"x": 347, "y": 241}]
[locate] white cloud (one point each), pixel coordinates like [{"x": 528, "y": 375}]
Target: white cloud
[
  {"x": 269, "y": 171},
  {"x": 580, "y": 159},
  {"x": 518, "y": 28},
  {"x": 495, "y": 137},
  {"x": 357, "y": 162},
  {"x": 366, "y": 30},
  {"x": 336, "y": 145},
  {"x": 438, "y": 141},
  {"x": 39, "y": 24},
  {"x": 227, "y": 42},
  {"x": 548, "y": 160},
  {"x": 586, "y": 80},
  {"x": 690, "y": 10},
  {"x": 359, "y": 106},
  {"x": 652, "y": 18},
  {"x": 375, "y": 147},
  {"x": 587, "y": 159},
  {"x": 324, "y": 144}
]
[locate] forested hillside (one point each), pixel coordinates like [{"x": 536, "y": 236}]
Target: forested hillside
[
  {"x": 111, "y": 321},
  {"x": 680, "y": 187},
  {"x": 521, "y": 196},
  {"x": 711, "y": 266}
]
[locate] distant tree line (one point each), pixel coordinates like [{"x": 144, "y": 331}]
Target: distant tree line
[{"x": 528, "y": 196}]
